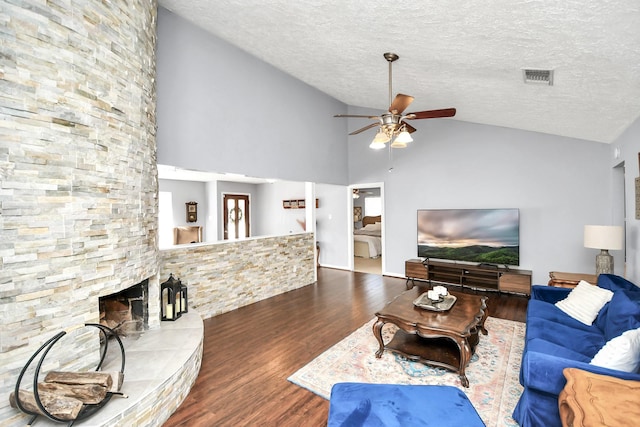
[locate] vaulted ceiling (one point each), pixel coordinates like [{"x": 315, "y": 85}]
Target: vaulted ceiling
[{"x": 467, "y": 54}]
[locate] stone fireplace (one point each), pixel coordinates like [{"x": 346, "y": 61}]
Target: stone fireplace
[
  {"x": 79, "y": 208},
  {"x": 127, "y": 311}
]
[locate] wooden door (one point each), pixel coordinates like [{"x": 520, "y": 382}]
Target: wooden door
[{"x": 236, "y": 216}]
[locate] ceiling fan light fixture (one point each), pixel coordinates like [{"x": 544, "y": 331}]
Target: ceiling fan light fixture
[
  {"x": 403, "y": 137},
  {"x": 379, "y": 140},
  {"x": 398, "y": 144},
  {"x": 382, "y": 137},
  {"x": 391, "y": 123},
  {"x": 375, "y": 145}
]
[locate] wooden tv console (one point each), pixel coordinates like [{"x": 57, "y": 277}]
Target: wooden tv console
[{"x": 470, "y": 275}]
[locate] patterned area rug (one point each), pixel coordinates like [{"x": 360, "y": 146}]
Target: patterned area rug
[{"x": 493, "y": 371}]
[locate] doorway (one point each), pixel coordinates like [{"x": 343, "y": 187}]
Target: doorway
[
  {"x": 236, "y": 216},
  {"x": 367, "y": 205},
  {"x": 619, "y": 215}
]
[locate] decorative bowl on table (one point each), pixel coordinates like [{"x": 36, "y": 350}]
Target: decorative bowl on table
[{"x": 434, "y": 302}]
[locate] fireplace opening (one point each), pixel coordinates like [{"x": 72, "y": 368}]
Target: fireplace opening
[{"x": 127, "y": 311}]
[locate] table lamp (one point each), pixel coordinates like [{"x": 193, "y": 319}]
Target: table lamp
[{"x": 605, "y": 238}]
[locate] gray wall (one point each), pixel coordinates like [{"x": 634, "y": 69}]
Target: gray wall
[
  {"x": 207, "y": 87},
  {"x": 628, "y": 145},
  {"x": 181, "y": 193},
  {"x": 222, "y": 110},
  {"x": 559, "y": 185}
]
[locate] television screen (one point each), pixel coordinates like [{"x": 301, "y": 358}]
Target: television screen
[{"x": 473, "y": 235}]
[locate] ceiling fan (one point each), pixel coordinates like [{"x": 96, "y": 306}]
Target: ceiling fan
[
  {"x": 357, "y": 192},
  {"x": 392, "y": 124}
]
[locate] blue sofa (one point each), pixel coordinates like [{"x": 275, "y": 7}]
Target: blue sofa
[{"x": 555, "y": 341}]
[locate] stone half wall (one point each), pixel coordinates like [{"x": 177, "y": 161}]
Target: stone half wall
[
  {"x": 223, "y": 276},
  {"x": 78, "y": 175}
]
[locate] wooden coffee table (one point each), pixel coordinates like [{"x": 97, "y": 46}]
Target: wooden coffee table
[{"x": 445, "y": 339}]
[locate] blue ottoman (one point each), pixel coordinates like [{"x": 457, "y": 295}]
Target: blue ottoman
[{"x": 358, "y": 404}]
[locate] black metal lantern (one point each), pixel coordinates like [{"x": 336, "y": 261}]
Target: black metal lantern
[
  {"x": 173, "y": 299},
  {"x": 184, "y": 299}
]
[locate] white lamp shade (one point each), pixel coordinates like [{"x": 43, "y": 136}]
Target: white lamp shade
[
  {"x": 381, "y": 137},
  {"x": 603, "y": 237},
  {"x": 398, "y": 144},
  {"x": 379, "y": 140},
  {"x": 404, "y": 137},
  {"x": 377, "y": 145}
]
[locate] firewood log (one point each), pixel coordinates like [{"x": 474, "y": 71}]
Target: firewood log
[
  {"x": 99, "y": 378},
  {"x": 117, "y": 378},
  {"x": 90, "y": 394},
  {"x": 62, "y": 407}
]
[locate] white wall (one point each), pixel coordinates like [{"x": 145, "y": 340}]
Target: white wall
[
  {"x": 272, "y": 219},
  {"x": 267, "y": 216},
  {"x": 332, "y": 225},
  {"x": 212, "y": 228}
]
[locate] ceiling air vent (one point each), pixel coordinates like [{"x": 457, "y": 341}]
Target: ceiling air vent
[{"x": 538, "y": 76}]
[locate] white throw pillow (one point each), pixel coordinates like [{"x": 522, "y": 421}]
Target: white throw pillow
[
  {"x": 584, "y": 302},
  {"x": 621, "y": 353}
]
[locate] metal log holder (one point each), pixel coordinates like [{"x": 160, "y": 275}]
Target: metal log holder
[{"x": 87, "y": 409}]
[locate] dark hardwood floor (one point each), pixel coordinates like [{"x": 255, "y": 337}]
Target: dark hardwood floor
[{"x": 249, "y": 353}]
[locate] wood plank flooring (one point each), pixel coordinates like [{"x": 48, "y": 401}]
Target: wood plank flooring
[{"x": 249, "y": 353}]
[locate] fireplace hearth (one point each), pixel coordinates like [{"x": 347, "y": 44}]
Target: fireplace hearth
[{"x": 127, "y": 311}]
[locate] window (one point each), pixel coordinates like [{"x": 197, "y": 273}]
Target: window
[{"x": 373, "y": 206}]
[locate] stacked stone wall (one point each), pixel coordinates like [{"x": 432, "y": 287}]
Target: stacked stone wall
[
  {"x": 227, "y": 275},
  {"x": 78, "y": 175}
]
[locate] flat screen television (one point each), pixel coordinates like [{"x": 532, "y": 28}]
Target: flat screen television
[{"x": 473, "y": 235}]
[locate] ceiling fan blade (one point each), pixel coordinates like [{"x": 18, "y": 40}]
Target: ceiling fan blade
[
  {"x": 358, "y": 116},
  {"x": 409, "y": 128},
  {"x": 400, "y": 103},
  {"x": 431, "y": 114},
  {"x": 355, "y": 132}
]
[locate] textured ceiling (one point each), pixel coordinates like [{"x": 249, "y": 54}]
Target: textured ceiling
[{"x": 468, "y": 55}]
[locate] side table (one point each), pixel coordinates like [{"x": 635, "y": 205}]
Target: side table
[
  {"x": 592, "y": 400},
  {"x": 570, "y": 280}
]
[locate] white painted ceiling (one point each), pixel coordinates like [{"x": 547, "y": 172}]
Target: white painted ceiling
[{"x": 463, "y": 54}]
